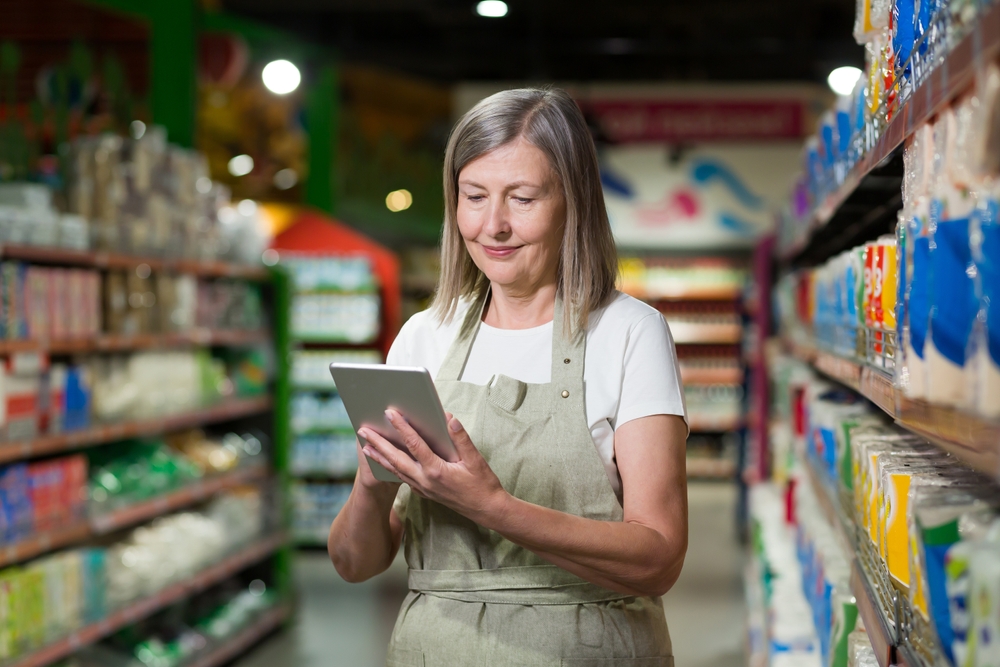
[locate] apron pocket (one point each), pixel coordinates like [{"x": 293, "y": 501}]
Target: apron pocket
[
  {"x": 663, "y": 661},
  {"x": 404, "y": 658}
]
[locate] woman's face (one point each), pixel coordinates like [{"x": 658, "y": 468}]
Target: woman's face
[{"x": 511, "y": 213}]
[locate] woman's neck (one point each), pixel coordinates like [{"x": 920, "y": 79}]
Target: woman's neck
[{"x": 510, "y": 309}]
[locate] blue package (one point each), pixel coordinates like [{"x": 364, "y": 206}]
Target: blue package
[
  {"x": 988, "y": 268},
  {"x": 77, "y": 400},
  {"x": 826, "y": 133},
  {"x": 917, "y": 298},
  {"x": 15, "y": 497},
  {"x": 937, "y": 595},
  {"x": 952, "y": 292},
  {"x": 902, "y": 36},
  {"x": 901, "y": 277}
]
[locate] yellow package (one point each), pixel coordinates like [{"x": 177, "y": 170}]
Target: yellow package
[{"x": 889, "y": 263}]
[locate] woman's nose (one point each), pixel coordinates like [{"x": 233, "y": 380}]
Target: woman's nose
[{"x": 496, "y": 220}]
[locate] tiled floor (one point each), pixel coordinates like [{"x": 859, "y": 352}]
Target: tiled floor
[{"x": 345, "y": 625}]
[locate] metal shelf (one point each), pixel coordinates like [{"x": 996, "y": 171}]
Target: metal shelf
[
  {"x": 108, "y": 260},
  {"x": 51, "y": 444},
  {"x": 140, "y": 609}
]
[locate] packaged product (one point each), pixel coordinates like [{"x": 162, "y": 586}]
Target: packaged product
[
  {"x": 871, "y": 18},
  {"x": 985, "y": 148},
  {"x": 951, "y": 293},
  {"x": 984, "y": 599},
  {"x": 986, "y": 338}
]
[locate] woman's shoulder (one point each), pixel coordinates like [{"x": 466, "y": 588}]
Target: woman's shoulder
[{"x": 623, "y": 313}]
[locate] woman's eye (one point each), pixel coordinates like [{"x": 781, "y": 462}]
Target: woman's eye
[
  {"x": 523, "y": 200},
  {"x": 474, "y": 198}
]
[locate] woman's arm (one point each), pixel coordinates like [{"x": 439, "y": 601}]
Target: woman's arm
[
  {"x": 365, "y": 536},
  {"x": 641, "y": 555}
]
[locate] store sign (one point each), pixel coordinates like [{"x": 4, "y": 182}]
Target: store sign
[
  {"x": 721, "y": 196},
  {"x": 687, "y": 121}
]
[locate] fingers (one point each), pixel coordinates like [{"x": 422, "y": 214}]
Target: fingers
[
  {"x": 382, "y": 461},
  {"x": 389, "y": 456},
  {"x": 411, "y": 439},
  {"x": 459, "y": 436}
]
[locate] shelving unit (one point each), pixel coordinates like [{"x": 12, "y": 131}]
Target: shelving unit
[
  {"x": 227, "y": 410},
  {"x": 864, "y": 206},
  {"x": 252, "y": 410},
  {"x": 974, "y": 440},
  {"x": 144, "y": 607},
  {"x": 873, "y": 173}
]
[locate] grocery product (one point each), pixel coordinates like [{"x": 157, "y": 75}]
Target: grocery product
[
  {"x": 333, "y": 454},
  {"x": 314, "y": 507},
  {"x": 311, "y": 368},
  {"x": 331, "y": 317}
]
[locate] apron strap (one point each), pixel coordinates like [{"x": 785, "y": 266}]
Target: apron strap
[
  {"x": 529, "y": 585},
  {"x": 458, "y": 353}
]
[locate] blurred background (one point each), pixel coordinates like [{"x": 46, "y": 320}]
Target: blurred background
[{"x": 205, "y": 202}]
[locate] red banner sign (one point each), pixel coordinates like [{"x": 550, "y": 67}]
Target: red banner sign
[{"x": 625, "y": 121}]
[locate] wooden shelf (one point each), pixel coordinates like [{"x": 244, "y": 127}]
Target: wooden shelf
[
  {"x": 688, "y": 333},
  {"x": 701, "y": 424},
  {"x": 51, "y": 444},
  {"x": 140, "y": 609},
  {"x": 175, "y": 500},
  {"x": 43, "y": 542},
  {"x": 695, "y": 375},
  {"x": 107, "y": 260},
  {"x": 971, "y": 438},
  {"x": 78, "y": 531},
  {"x": 682, "y": 292},
  {"x": 222, "y": 654},
  {"x": 124, "y": 343},
  {"x": 952, "y": 77},
  {"x": 709, "y": 468}
]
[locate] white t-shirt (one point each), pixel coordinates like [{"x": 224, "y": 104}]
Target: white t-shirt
[{"x": 630, "y": 367}]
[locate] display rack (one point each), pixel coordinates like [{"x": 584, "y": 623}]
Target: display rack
[
  {"x": 136, "y": 611},
  {"x": 950, "y": 78},
  {"x": 252, "y": 410},
  {"x": 971, "y": 438}
]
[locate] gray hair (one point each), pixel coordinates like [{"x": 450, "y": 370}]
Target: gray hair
[{"x": 550, "y": 120}]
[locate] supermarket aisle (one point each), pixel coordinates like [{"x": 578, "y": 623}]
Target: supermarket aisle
[{"x": 344, "y": 625}]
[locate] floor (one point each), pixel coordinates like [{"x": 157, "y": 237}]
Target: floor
[{"x": 348, "y": 625}]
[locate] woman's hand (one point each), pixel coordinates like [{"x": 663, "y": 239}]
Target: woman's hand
[
  {"x": 467, "y": 486},
  {"x": 366, "y": 477}
]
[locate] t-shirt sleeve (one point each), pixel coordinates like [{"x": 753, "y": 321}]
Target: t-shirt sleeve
[{"x": 651, "y": 380}]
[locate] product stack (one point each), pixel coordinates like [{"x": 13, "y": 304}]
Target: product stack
[
  {"x": 137, "y": 463},
  {"x": 336, "y": 316},
  {"x": 702, "y": 302},
  {"x": 883, "y": 402}
]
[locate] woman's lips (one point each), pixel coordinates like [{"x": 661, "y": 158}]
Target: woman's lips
[{"x": 500, "y": 251}]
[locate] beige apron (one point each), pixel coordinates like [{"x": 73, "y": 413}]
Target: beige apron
[{"x": 478, "y": 599}]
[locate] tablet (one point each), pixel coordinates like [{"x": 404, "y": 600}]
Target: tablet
[{"x": 368, "y": 390}]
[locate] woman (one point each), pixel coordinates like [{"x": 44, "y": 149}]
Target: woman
[{"x": 551, "y": 540}]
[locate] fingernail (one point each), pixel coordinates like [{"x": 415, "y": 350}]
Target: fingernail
[
  {"x": 363, "y": 433},
  {"x": 390, "y": 414},
  {"x": 455, "y": 425}
]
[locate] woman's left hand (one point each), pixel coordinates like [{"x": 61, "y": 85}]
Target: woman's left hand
[{"x": 467, "y": 486}]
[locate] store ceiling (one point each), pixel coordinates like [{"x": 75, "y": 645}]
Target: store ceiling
[{"x": 580, "y": 40}]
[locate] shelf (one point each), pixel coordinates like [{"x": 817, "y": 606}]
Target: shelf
[
  {"x": 711, "y": 375},
  {"x": 953, "y": 76},
  {"x": 972, "y": 439},
  {"x": 699, "y": 424},
  {"x": 693, "y": 293},
  {"x": 51, "y": 444},
  {"x": 124, "y": 343},
  {"x": 708, "y": 468},
  {"x": 168, "y": 502},
  {"x": 139, "y": 610},
  {"x": 323, "y": 339},
  {"x": 879, "y": 631},
  {"x": 43, "y": 542},
  {"x": 222, "y": 654},
  {"x": 687, "y": 333},
  {"x": 107, "y": 260},
  {"x": 78, "y": 531}
]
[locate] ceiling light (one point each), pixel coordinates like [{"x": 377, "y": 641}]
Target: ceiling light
[
  {"x": 285, "y": 179},
  {"x": 241, "y": 165},
  {"x": 247, "y": 208},
  {"x": 843, "y": 79},
  {"x": 398, "y": 200},
  {"x": 281, "y": 77},
  {"x": 493, "y": 9}
]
